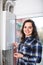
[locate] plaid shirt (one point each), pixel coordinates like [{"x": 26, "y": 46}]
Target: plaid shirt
[{"x": 31, "y": 49}]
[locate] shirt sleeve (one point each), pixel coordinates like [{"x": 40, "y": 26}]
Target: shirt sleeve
[
  {"x": 32, "y": 53},
  {"x": 35, "y": 54}
]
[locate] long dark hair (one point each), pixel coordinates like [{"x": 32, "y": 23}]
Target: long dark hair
[{"x": 34, "y": 32}]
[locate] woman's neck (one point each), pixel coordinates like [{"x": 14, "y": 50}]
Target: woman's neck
[{"x": 28, "y": 36}]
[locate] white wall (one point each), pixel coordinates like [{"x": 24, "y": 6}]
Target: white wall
[{"x": 27, "y": 8}]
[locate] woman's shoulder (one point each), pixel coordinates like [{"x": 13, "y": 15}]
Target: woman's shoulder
[{"x": 38, "y": 41}]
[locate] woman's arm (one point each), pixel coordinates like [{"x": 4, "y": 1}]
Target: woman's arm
[
  {"x": 33, "y": 54},
  {"x": 36, "y": 54}
]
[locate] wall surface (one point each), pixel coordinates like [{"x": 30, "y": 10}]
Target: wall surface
[{"x": 27, "y": 8}]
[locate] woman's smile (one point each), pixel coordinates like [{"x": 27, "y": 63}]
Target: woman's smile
[{"x": 28, "y": 29}]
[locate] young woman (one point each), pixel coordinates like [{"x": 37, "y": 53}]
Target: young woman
[{"x": 30, "y": 48}]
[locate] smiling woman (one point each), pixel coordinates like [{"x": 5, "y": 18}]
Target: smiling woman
[
  {"x": 39, "y": 24},
  {"x": 30, "y": 48}
]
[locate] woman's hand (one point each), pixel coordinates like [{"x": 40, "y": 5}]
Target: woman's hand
[
  {"x": 18, "y": 55},
  {"x": 15, "y": 44}
]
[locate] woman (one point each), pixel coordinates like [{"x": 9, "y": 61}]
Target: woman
[{"x": 29, "y": 49}]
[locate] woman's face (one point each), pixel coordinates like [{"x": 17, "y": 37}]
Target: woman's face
[{"x": 28, "y": 28}]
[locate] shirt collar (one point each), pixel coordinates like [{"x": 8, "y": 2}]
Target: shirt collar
[{"x": 29, "y": 38}]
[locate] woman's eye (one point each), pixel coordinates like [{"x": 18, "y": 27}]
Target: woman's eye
[
  {"x": 30, "y": 27},
  {"x": 25, "y": 27}
]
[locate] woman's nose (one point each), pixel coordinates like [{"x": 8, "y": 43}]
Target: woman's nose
[{"x": 27, "y": 28}]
